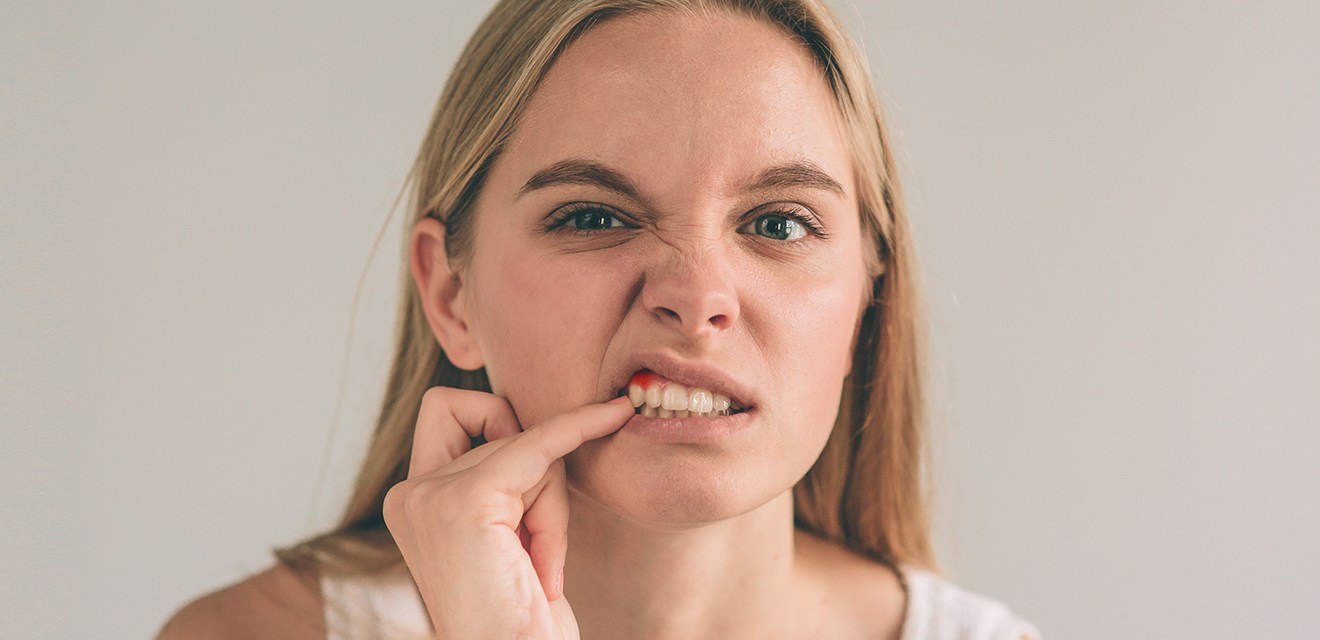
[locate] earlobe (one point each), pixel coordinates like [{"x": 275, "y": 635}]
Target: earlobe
[{"x": 442, "y": 295}]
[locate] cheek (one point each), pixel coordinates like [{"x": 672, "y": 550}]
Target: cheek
[
  {"x": 810, "y": 326},
  {"x": 545, "y": 323}
]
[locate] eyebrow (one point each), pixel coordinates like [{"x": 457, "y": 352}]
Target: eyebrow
[{"x": 798, "y": 173}]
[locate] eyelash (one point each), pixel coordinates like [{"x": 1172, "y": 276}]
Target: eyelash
[{"x": 560, "y": 220}]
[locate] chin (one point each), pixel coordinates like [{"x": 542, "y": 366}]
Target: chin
[{"x": 670, "y": 492}]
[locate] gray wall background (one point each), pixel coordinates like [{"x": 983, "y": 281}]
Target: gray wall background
[{"x": 1118, "y": 215}]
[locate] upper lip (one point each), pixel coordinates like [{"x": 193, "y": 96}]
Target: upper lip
[{"x": 690, "y": 373}]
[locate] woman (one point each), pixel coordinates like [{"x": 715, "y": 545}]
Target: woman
[{"x": 660, "y": 276}]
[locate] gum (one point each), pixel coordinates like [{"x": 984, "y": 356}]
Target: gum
[{"x": 646, "y": 379}]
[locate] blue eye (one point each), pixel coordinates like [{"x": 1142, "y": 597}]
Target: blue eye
[
  {"x": 777, "y": 227},
  {"x": 785, "y": 226}
]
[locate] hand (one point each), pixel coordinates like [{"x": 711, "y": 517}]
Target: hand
[{"x": 484, "y": 531}]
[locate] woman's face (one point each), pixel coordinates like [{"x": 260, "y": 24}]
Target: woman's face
[{"x": 692, "y": 267}]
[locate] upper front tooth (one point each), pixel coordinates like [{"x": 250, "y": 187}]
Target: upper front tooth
[
  {"x": 699, "y": 400},
  {"x": 675, "y": 397},
  {"x": 653, "y": 396},
  {"x": 636, "y": 396}
]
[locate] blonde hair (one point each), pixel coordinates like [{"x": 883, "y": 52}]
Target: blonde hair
[{"x": 867, "y": 490}]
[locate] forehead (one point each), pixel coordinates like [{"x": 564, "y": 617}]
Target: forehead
[{"x": 682, "y": 104}]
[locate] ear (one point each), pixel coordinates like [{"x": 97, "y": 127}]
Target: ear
[{"x": 442, "y": 295}]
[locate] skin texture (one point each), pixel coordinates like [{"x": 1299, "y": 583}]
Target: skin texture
[{"x": 675, "y": 540}]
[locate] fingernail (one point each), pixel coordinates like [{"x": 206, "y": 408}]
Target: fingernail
[{"x": 559, "y": 583}]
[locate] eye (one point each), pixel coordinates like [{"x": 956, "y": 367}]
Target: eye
[
  {"x": 586, "y": 219},
  {"x": 785, "y": 226}
]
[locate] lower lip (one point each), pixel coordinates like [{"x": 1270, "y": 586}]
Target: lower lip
[{"x": 688, "y": 429}]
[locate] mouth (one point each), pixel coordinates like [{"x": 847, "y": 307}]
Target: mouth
[{"x": 655, "y": 396}]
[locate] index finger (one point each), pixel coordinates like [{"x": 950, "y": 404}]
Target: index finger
[
  {"x": 517, "y": 467},
  {"x": 448, "y": 420}
]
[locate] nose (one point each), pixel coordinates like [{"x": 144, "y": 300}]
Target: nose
[{"x": 692, "y": 291}]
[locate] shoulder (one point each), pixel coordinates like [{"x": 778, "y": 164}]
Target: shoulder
[
  {"x": 278, "y": 602},
  {"x": 942, "y": 610}
]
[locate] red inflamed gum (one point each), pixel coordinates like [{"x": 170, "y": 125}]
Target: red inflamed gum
[{"x": 645, "y": 379}]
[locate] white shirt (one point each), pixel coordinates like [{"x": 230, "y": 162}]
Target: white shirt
[{"x": 387, "y": 606}]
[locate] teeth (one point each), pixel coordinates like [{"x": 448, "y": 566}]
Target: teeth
[
  {"x": 699, "y": 401},
  {"x": 673, "y": 400},
  {"x": 721, "y": 402},
  {"x": 676, "y": 397}
]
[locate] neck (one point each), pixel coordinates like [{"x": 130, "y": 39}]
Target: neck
[{"x": 738, "y": 577}]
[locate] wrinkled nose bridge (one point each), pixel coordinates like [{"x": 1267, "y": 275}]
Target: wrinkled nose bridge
[{"x": 691, "y": 286}]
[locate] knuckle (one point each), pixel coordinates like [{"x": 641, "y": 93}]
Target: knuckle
[
  {"x": 409, "y": 498},
  {"x": 396, "y": 500},
  {"x": 436, "y": 395},
  {"x": 434, "y": 501}
]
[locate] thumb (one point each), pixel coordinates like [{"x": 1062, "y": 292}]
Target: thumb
[{"x": 547, "y": 525}]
